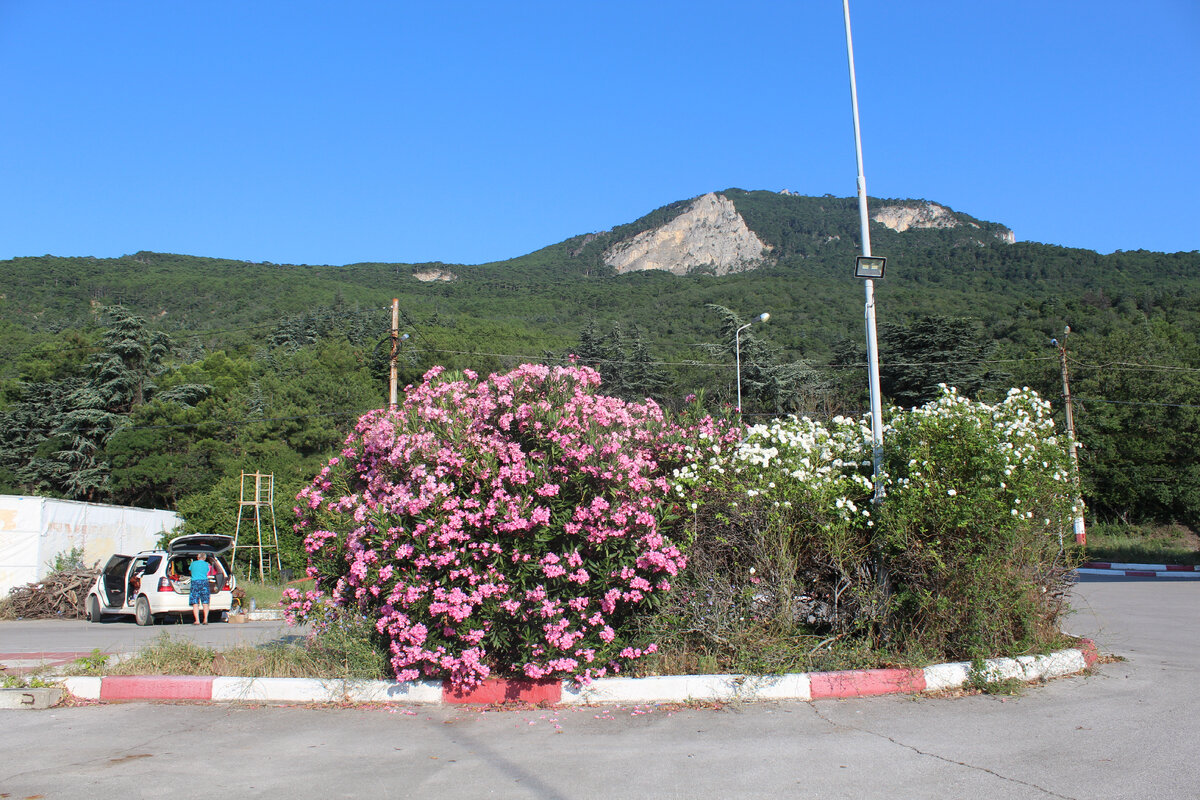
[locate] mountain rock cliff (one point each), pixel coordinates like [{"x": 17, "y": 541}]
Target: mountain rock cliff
[
  {"x": 711, "y": 236},
  {"x": 901, "y": 218}
]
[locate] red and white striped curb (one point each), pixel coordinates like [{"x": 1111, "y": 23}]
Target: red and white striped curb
[
  {"x": 664, "y": 689},
  {"x": 1139, "y": 570}
]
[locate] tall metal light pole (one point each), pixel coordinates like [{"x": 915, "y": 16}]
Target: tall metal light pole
[
  {"x": 737, "y": 350},
  {"x": 867, "y": 267},
  {"x": 397, "y": 340},
  {"x": 395, "y": 351}
]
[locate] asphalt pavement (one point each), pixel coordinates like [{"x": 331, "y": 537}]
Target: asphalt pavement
[{"x": 1125, "y": 731}]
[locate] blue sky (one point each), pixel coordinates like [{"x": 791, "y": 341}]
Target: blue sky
[{"x": 466, "y": 132}]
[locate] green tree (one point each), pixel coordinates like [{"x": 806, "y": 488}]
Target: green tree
[
  {"x": 1139, "y": 428},
  {"x": 120, "y": 378},
  {"x": 768, "y": 382},
  {"x": 26, "y": 435},
  {"x": 932, "y": 350}
]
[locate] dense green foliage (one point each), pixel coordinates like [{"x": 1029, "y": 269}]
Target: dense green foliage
[{"x": 154, "y": 379}]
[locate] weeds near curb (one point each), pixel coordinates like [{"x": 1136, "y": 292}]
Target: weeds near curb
[
  {"x": 34, "y": 681},
  {"x": 91, "y": 664},
  {"x": 986, "y": 679}
]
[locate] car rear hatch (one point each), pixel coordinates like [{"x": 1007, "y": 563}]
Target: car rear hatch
[{"x": 201, "y": 543}]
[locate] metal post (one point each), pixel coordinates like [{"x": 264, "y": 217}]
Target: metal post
[
  {"x": 737, "y": 349},
  {"x": 864, "y": 222},
  {"x": 262, "y": 577},
  {"x": 395, "y": 352}
]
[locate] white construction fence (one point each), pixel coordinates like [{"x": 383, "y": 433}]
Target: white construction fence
[{"x": 33, "y": 530}]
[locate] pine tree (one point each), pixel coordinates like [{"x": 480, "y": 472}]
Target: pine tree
[{"x": 121, "y": 377}]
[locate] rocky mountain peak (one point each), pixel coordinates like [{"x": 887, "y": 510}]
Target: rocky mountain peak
[
  {"x": 925, "y": 214},
  {"x": 711, "y": 236}
]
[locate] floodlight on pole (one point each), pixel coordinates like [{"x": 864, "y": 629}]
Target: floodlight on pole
[
  {"x": 737, "y": 349},
  {"x": 868, "y": 268}
]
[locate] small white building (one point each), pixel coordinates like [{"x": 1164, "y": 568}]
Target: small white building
[{"x": 33, "y": 530}]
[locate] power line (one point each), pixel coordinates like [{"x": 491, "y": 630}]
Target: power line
[
  {"x": 1133, "y": 365},
  {"x": 722, "y": 364},
  {"x": 245, "y": 421},
  {"x": 51, "y": 350},
  {"x": 431, "y": 348},
  {"x": 1138, "y": 403}
]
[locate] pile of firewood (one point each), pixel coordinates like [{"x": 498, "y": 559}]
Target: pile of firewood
[{"x": 57, "y": 596}]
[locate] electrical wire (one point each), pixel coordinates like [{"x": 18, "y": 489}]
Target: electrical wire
[
  {"x": 1131, "y": 365},
  {"x": 52, "y": 350},
  {"x": 1084, "y": 399},
  {"x": 245, "y": 421}
]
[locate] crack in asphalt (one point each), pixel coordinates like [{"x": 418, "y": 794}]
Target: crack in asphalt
[{"x": 921, "y": 752}]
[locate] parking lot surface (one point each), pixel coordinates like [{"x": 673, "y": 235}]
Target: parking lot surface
[{"x": 1122, "y": 732}]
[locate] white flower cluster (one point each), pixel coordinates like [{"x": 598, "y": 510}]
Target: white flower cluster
[
  {"x": 792, "y": 459},
  {"x": 1009, "y": 448},
  {"x": 1018, "y": 435}
]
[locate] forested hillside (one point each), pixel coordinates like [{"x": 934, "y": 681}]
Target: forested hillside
[{"x": 154, "y": 379}]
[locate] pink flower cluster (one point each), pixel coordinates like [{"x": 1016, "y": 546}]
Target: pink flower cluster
[{"x": 511, "y": 524}]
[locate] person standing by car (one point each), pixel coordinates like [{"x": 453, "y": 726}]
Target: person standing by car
[{"x": 199, "y": 596}]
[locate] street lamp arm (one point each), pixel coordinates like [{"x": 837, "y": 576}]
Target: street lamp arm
[{"x": 737, "y": 350}]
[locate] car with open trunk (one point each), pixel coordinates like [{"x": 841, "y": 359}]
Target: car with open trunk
[{"x": 154, "y": 585}]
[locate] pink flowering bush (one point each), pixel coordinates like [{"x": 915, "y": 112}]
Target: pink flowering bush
[{"x": 511, "y": 525}]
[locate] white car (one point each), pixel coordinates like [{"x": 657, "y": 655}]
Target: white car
[{"x": 155, "y": 584}]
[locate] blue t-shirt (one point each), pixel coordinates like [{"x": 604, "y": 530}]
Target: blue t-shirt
[{"x": 199, "y": 570}]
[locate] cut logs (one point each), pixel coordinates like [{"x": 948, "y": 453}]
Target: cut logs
[{"x": 60, "y": 595}]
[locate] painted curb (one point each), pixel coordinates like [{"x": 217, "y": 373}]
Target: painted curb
[
  {"x": 506, "y": 691},
  {"x": 660, "y": 689},
  {"x": 155, "y": 687},
  {"x": 688, "y": 688},
  {"x": 264, "y": 614},
  {"x": 1117, "y": 569},
  {"x": 867, "y": 683},
  {"x": 311, "y": 690}
]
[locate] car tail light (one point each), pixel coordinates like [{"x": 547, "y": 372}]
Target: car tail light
[
  {"x": 225, "y": 586},
  {"x": 164, "y": 584}
]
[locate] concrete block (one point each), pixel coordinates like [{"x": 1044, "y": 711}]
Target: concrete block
[{"x": 30, "y": 699}]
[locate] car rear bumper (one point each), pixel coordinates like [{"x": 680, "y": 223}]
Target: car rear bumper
[{"x": 170, "y": 603}]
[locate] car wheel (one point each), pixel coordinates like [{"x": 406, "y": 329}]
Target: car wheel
[
  {"x": 93, "y": 609},
  {"x": 141, "y": 612}
]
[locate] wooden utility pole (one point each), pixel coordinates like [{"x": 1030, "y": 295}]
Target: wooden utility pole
[
  {"x": 395, "y": 352},
  {"x": 1080, "y": 530}
]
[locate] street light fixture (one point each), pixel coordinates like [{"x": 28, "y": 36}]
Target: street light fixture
[
  {"x": 869, "y": 266},
  {"x": 737, "y": 349}
]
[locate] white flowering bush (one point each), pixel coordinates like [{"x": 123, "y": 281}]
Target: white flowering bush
[
  {"x": 961, "y": 558},
  {"x": 777, "y": 548},
  {"x": 980, "y": 498}
]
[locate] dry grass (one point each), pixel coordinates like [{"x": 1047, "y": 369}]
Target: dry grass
[{"x": 340, "y": 652}]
